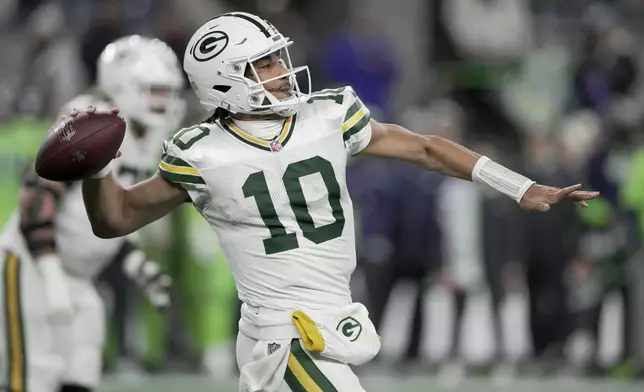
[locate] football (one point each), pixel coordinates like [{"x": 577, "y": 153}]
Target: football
[{"x": 80, "y": 146}]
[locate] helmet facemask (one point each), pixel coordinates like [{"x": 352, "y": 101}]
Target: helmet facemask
[{"x": 260, "y": 100}]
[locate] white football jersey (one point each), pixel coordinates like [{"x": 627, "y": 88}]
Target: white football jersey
[
  {"x": 280, "y": 207},
  {"x": 81, "y": 252}
]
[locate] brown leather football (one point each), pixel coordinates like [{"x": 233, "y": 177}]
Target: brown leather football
[{"x": 80, "y": 146}]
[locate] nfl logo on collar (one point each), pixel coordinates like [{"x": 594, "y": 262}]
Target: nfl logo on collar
[
  {"x": 275, "y": 145},
  {"x": 272, "y": 347}
]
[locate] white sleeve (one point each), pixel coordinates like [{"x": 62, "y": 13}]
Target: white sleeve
[
  {"x": 356, "y": 126},
  {"x": 175, "y": 169},
  {"x": 180, "y": 167}
]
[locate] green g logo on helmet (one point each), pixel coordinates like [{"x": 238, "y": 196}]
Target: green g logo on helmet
[
  {"x": 350, "y": 328},
  {"x": 210, "y": 46}
]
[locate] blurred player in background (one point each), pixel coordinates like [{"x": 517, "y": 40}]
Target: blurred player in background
[
  {"x": 52, "y": 252},
  {"x": 268, "y": 172}
]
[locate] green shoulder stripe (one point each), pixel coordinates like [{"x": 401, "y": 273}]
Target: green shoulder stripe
[
  {"x": 359, "y": 126},
  {"x": 169, "y": 159},
  {"x": 181, "y": 178},
  {"x": 175, "y": 169},
  {"x": 357, "y": 105}
]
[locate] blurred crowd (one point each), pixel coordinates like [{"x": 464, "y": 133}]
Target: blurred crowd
[{"x": 553, "y": 89}]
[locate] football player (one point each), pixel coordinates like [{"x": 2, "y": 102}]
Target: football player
[
  {"x": 52, "y": 256},
  {"x": 267, "y": 171}
]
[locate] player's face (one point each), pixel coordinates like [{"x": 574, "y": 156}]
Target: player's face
[{"x": 270, "y": 67}]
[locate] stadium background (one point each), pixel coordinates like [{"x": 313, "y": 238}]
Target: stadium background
[{"x": 553, "y": 88}]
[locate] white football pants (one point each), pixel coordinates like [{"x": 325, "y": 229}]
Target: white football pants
[{"x": 304, "y": 371}]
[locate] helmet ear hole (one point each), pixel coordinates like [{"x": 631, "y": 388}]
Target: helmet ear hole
[
  {"x": 222, "y": 88},
  {"x": 237, "y": 69}
]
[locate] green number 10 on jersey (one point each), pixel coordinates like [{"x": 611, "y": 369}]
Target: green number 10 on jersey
[{"x": 281, "y": 241}]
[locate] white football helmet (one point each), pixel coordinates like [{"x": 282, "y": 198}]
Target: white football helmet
[
  {"x": 143, "y": 77},
  {"x": 217, "y": 58}
]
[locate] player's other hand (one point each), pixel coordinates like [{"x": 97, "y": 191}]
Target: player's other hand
[{"x": 539, "y": 197}]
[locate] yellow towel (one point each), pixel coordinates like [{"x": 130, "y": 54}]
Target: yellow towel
[{"x": 310, "y": 334}]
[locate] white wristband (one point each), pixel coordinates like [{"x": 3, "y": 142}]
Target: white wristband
[
  {"x": 103, "y": 172},
  {"x": 502, "y": 179}
]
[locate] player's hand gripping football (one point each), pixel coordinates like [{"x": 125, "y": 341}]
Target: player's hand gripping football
[
  {"x": 91, "y": 110},
  {"x": 80, "y": 145},
  {"x": 539, "y": 197}
]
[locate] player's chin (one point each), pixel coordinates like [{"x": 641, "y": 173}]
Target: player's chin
[{"x": 283, "y": 95}]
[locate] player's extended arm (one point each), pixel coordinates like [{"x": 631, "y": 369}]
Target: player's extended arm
[
  {"x": 440, "y": 155},
  {"x": 115, "y": 211}
]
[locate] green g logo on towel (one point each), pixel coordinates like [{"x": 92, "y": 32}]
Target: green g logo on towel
[{"x": 350, "y": 327}]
